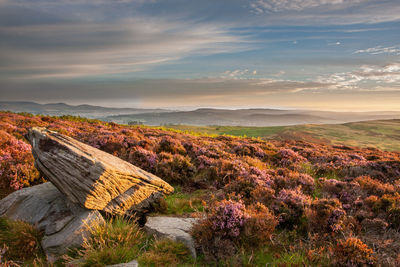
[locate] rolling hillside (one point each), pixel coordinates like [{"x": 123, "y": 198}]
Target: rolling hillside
[
  {"x": 250, "y": 117},
  {"x": 58, "y": 109},
  {"x": 382, "y": 134}
]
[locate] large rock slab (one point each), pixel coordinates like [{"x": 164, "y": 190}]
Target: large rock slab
[
  {"x": 93, "y": 178},
  {"x": 64, "y": 224},
  {"x": 174, "y": 228}
]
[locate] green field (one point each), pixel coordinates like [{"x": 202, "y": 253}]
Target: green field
[{"x": 382, "y": 134}]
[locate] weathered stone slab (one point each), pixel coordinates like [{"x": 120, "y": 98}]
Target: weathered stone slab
[
  {"x": 133, "y": 263},
  {"x": 93, "y": 178},
  {"x": 63, "y": 223},
  {"x": 174, "y": 228}
]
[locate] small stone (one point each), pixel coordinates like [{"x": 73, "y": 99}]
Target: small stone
[
  {"x": 133, "y": 263},
  {"x": 174, "y": 228}
]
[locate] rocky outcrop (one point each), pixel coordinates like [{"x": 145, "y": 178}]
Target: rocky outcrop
[
  {"x": 174, "y": 228},
  {"x": 92, "y": 178},
  {"x": 64, "y": 224}
]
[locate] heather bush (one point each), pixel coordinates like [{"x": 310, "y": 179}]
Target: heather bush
[
  {"x": 217, "y": 235},
  {"x": 229, "y": 226},
  {"x": 171, "y": 145},
  {"x": 247, "y": 181},
  {"x": 393, "y": 217},
  {"x": 371, "y": 200},
  {"x": 290, "y": 206},
  {"x": 386, "y": 202},
  {"x": 353, "y": 252},
  {"x": 143, "y": 158},
  {"x": 374, "y": 187},
  {"x": 332, "y": 186},
  {"x": 286, "y": 178},
  {"x": 16, "y": 164},
  {"x": 245, "y": 149},
  {"x": 289, "y": 159},
  {"x": 325, "y": 215},
  {"x": 259, "y": 225},
  {"x": 175, "y": 169}
]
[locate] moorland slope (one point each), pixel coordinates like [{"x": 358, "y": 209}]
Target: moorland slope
[{"x": 277, "y": 202}]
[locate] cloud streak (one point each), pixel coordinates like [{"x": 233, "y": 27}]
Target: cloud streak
[
  {"x": 380, "y": 50},
  {"x": 325, "y": 12},
  {"x": 268, "y": 6},
  {"x": 369, "y": 77},
  {"x": 93, "y": 49}
]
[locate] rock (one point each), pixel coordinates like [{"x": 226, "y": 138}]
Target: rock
[
  {"x": 93, "y": 178},
  {"x": 174, "y": 228},
  {"x": 133, "y": 263},
  {"x": 63, "y": 223}
]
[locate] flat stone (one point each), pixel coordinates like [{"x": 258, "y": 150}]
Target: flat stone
[
  {"x": 93, "y": 178},
  {"x": 63, "y": 223},
  {"x": 133, "y": 263},
  {"x": 174, "y": 228}
]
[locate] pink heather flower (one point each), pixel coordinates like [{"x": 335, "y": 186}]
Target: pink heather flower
[
  {"x": 293, "y": 197},
  {"x": 287, "y": 157},
  {"x": 228, "y": 218}
]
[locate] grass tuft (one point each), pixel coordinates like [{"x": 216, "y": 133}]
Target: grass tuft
[
  {"x": 116, "y": 241},
  {"x": 19, "y": 241},
  {"x": 180, "y": 203},
  {"x": 165, "y": 252}
]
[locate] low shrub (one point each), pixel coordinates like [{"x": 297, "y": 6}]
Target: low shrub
[
  {"x": 286, "y": 179},
  {"x": 353, "y": 252},
  {"x": 16, "y": 164},
  {"x": 171, "y": 145},
  {"x": 290, "y": 206},
  {"x": 230, "y": 226},
  {"x": 374, "y": 187},
  {"x": 143, "y": 158},
  {"x": 175, "y": 169},
  {"x": 325, "y": 215},
  {"x": 289, "y": 159},
  {"x": 259, "y": 226}
]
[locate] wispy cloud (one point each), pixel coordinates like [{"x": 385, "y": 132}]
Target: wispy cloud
[
  {"x": 89, "y": 49},
  {"x": 239, "y": 74},
  {"x": 366, "y": 78},
  {"x": 267, "y": 6},
  {"x": 380, "y": 50},
  {"x": 309, "y": 12}
]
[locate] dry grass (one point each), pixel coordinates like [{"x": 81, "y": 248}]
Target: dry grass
[
  {"x": 116, "y": 241},
  {"x": 19, "y": 242},
  {"x": 165, "y": 252}
]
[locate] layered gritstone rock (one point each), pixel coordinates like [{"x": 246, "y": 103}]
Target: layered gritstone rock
[{"x": 92, "y": 178}]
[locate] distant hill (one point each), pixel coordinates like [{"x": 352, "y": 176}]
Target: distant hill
[
  {"x": 250, "y": 117},
  {"x": 382, "y": 134},
  {"x": 57, "y": 109},
  {"x": 199, "y": 117}
]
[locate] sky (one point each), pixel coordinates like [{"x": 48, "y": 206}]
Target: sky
[{"x": 308, "y": 54}]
